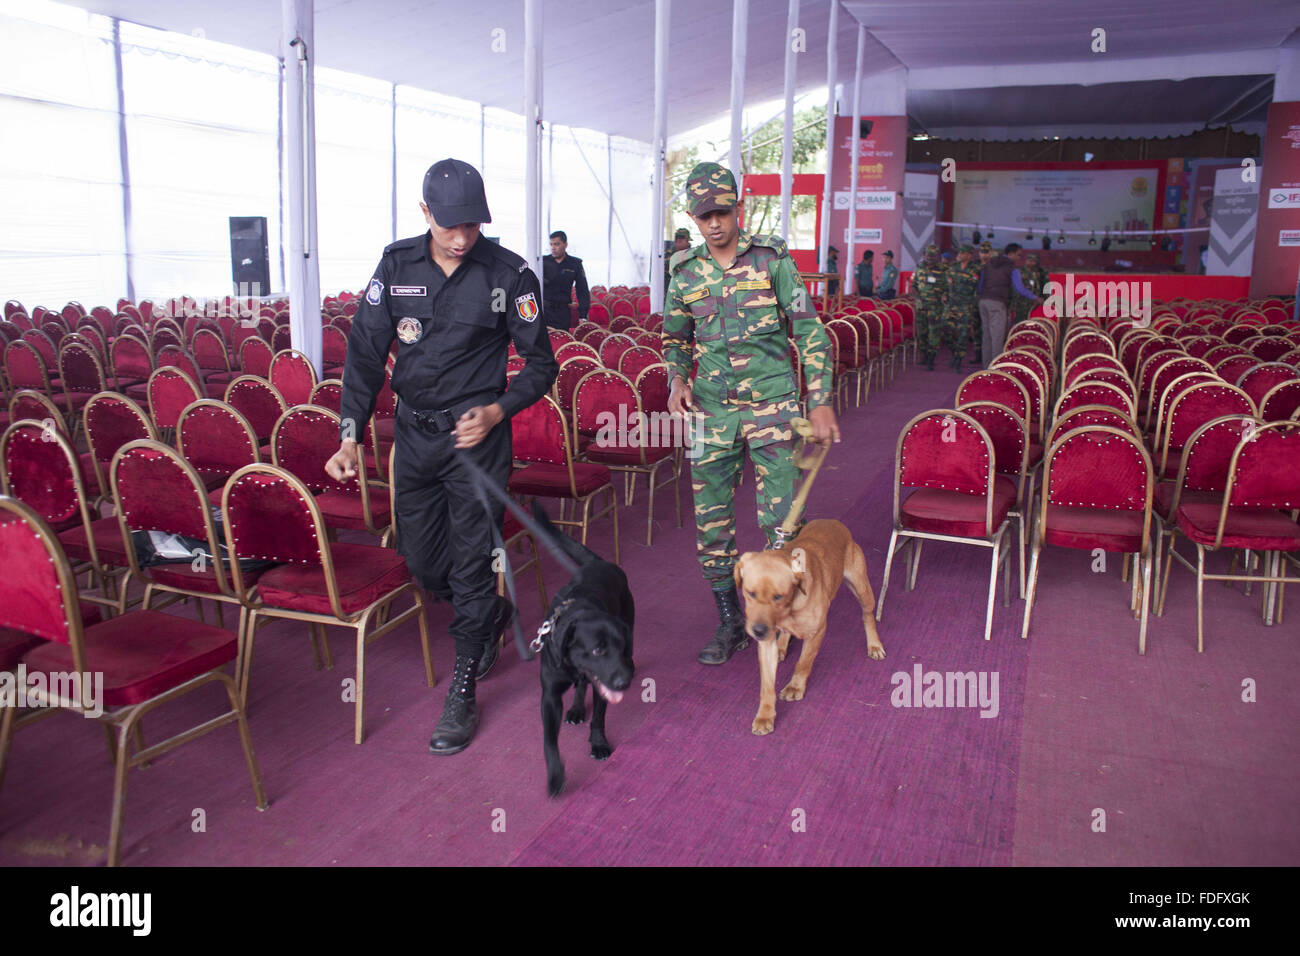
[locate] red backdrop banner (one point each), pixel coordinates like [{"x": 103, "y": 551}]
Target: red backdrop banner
[
  {"x": 1277, "y": 232},
  {"x": 882, "y": 156}
]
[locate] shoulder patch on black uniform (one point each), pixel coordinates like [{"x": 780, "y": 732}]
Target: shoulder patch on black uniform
[
  {"x": 410, "y": 243},
  {"x": 512, "y": 259},
  {"x": 775, "y": 243}
]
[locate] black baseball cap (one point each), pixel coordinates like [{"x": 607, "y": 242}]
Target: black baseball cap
[{"x": 453, "y": 191}]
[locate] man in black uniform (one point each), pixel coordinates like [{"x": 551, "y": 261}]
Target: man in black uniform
[
  {"x": 453, "y": 299},
  {"x": 560, "y": 273}
]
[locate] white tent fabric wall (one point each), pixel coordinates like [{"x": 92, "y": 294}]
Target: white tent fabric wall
[
  {"x": 430, "y": 127},
  {"x": 202, "y": 124},
  {"x": 201, "y": 121},
  {"x": 61, "y": 232},
  {"x": 354, "y": 180}
]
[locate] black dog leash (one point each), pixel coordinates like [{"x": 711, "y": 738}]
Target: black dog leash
[{"x": 482, "y": 486}]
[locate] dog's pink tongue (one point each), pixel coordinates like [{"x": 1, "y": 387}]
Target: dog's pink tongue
[{"x": 613, "y": 696}]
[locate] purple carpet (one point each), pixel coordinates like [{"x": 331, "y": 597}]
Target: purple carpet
[{"x": 1183, "y": 770}]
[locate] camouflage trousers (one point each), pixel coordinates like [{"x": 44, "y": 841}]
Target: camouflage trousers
[
  {"x": 714, "y": 478},
  {"x": 929, "y": 316},
  {"x": 952, "y": 333}
]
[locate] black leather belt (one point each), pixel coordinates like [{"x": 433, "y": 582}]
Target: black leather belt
[{"x": 438, "y": 421}]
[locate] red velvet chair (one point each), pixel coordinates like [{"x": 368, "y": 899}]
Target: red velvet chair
[
  {"x": 1201, "y": 474},
  {"x": 281, "y": 339},
  {"x": 329, "y": 394},
  {"x": 542, "y": 444},
  {"x": 212, "y": 358},
  {"x": 1087, "y": 343},
  {"x": 255, "y": 358},
  {"x": 269, "y": 514},
  {"x": 41, "y": 468},
  {"x": 601, "y": 399},
  {"x": 133, "y": 363},
  {"x": 1086, "y": 416},
  {"x": 29, "y": 403},
  {"x": 172, "y": 357},
  {"x": 635, "y": 359},
  {"x": 334, "y": 350},
  {"x": 170, "y": 391},
  {"x": 1257, "y": 382},
  {"x": 83, "y": 376},
  {"x": 146, "y": 658},
  {"x": 994, "y": 386},
  {"x": 26, "y": 368},
  {"x": 595, "y": 337},
  {"x": 566, "y": 379},
  {"x": 217, "y": 441},
  {"x": 851, "y": 360},
  {"x": 559, "y": 337},
  {"x": 1233, "y": 368},
  {"x": 305, "y": 438},
  {"x": 948, "y": 458},
  {"x": 110, "y": 421},
  {"x": 255, "y": 399},
  {"x": 1281, "y": 402},
  {"x": 156, "y": 489},
  {"x": 1254, "y": 513},
  {"x": 574, "y": 350},
  {"x": 293, "y": 376},
  {"x": 1021, "y": 337},
  {"x": 1167, "y": 372},
  {"x": 1097, "y": 490},
  {"x": 1010, "y": 436},
  {"x": 1094, "y": 393},
  {"x": 612, "y": 348}
]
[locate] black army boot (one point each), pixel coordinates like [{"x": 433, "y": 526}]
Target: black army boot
[
  {"x": 460, "y": 712},
  {"x": 929, "y": 363},
  {"x": 956, "y": 361},
  {"x": 504, "y": 616},
  {"x": 730, "y": 635}
]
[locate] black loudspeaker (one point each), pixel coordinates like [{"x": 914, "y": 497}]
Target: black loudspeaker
[{"x": 250, "y": 266}]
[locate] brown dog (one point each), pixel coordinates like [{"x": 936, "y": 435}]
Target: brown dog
[{"x": 789, "y": 592}]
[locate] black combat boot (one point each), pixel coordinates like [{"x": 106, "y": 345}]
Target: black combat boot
[
  {"x": 730, "y": 635},
  {"x": 929, "y": 363},
  {"x": 956, "y": 362},
  {"x": 504, "y": 616},
  {"x": 460, "y": 712}
]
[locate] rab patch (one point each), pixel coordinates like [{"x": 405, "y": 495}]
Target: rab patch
[
  {"x": 526, "y": 305},
  {"x": 375, "y": 293},
  {"x": 409, "y": 330}
]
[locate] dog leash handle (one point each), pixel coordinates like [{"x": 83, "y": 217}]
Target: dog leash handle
[{"x": 804, "y": 429}]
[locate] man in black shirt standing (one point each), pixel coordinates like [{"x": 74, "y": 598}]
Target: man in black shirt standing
[
  {"x": 453, "y": 299},
  {"x": 560, "y": 273}
]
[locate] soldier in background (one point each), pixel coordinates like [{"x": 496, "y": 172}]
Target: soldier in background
[
  {"x": 888, "y": 287},
  {"x": 929, "y": 285},
  {"x": 734, "y": 304},
  {"x": 960, "y": 304},
  {"x": 1034, "y": 278},
  {"x": 864, "y": 273}
]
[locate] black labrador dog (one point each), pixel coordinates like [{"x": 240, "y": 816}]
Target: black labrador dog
[{"x": 589, "y": 642}]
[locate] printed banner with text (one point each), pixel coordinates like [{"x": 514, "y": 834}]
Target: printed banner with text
[
  {"x": 1276, "y": 263},
  {"x": 882, "y": 154}
]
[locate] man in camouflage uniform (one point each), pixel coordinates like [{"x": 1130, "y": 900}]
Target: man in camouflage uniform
[
  {"x": 734, "y": 303},
  {"x": 960, "y": 304},
  {"x": 1034, "y": 278},
  {"x": 929, "y": 282}
]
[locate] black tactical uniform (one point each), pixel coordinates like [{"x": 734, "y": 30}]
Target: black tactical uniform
[
  {"x": 557, "y": 279},
  {"x": 453, "y": 333}
]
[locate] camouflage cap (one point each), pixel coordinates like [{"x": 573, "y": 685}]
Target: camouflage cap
[
  {"x": 986, "y": 246},
  {"x": 1032, "y": 257},
  {"x": 967, "y": 247},
  {"x": 711, "y": 187},
  {"x": 682, "y": 233},
  {"x": 932, "y": 250}
]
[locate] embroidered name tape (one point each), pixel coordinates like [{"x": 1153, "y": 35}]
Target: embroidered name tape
[
  {"x": 695, "y": 296},
  {"x": 409, "y": 290},
  {"x": 746, "y": 284}
]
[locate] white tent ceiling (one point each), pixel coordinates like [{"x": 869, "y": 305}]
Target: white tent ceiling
[{"x": 972, "y": 64}]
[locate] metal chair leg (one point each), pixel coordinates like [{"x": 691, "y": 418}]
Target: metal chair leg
[{"x": 884, "y": 585}]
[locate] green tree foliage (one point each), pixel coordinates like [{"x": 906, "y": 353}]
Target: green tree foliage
[{"x": 762, "y": 213}]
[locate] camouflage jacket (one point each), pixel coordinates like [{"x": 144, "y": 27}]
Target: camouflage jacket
[
  {"x": 962, "y": 284},
  {"x": 929, "y": 283},
  {"x": 736, "y": 325},
  {"x": 1034, "y": 279}
]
